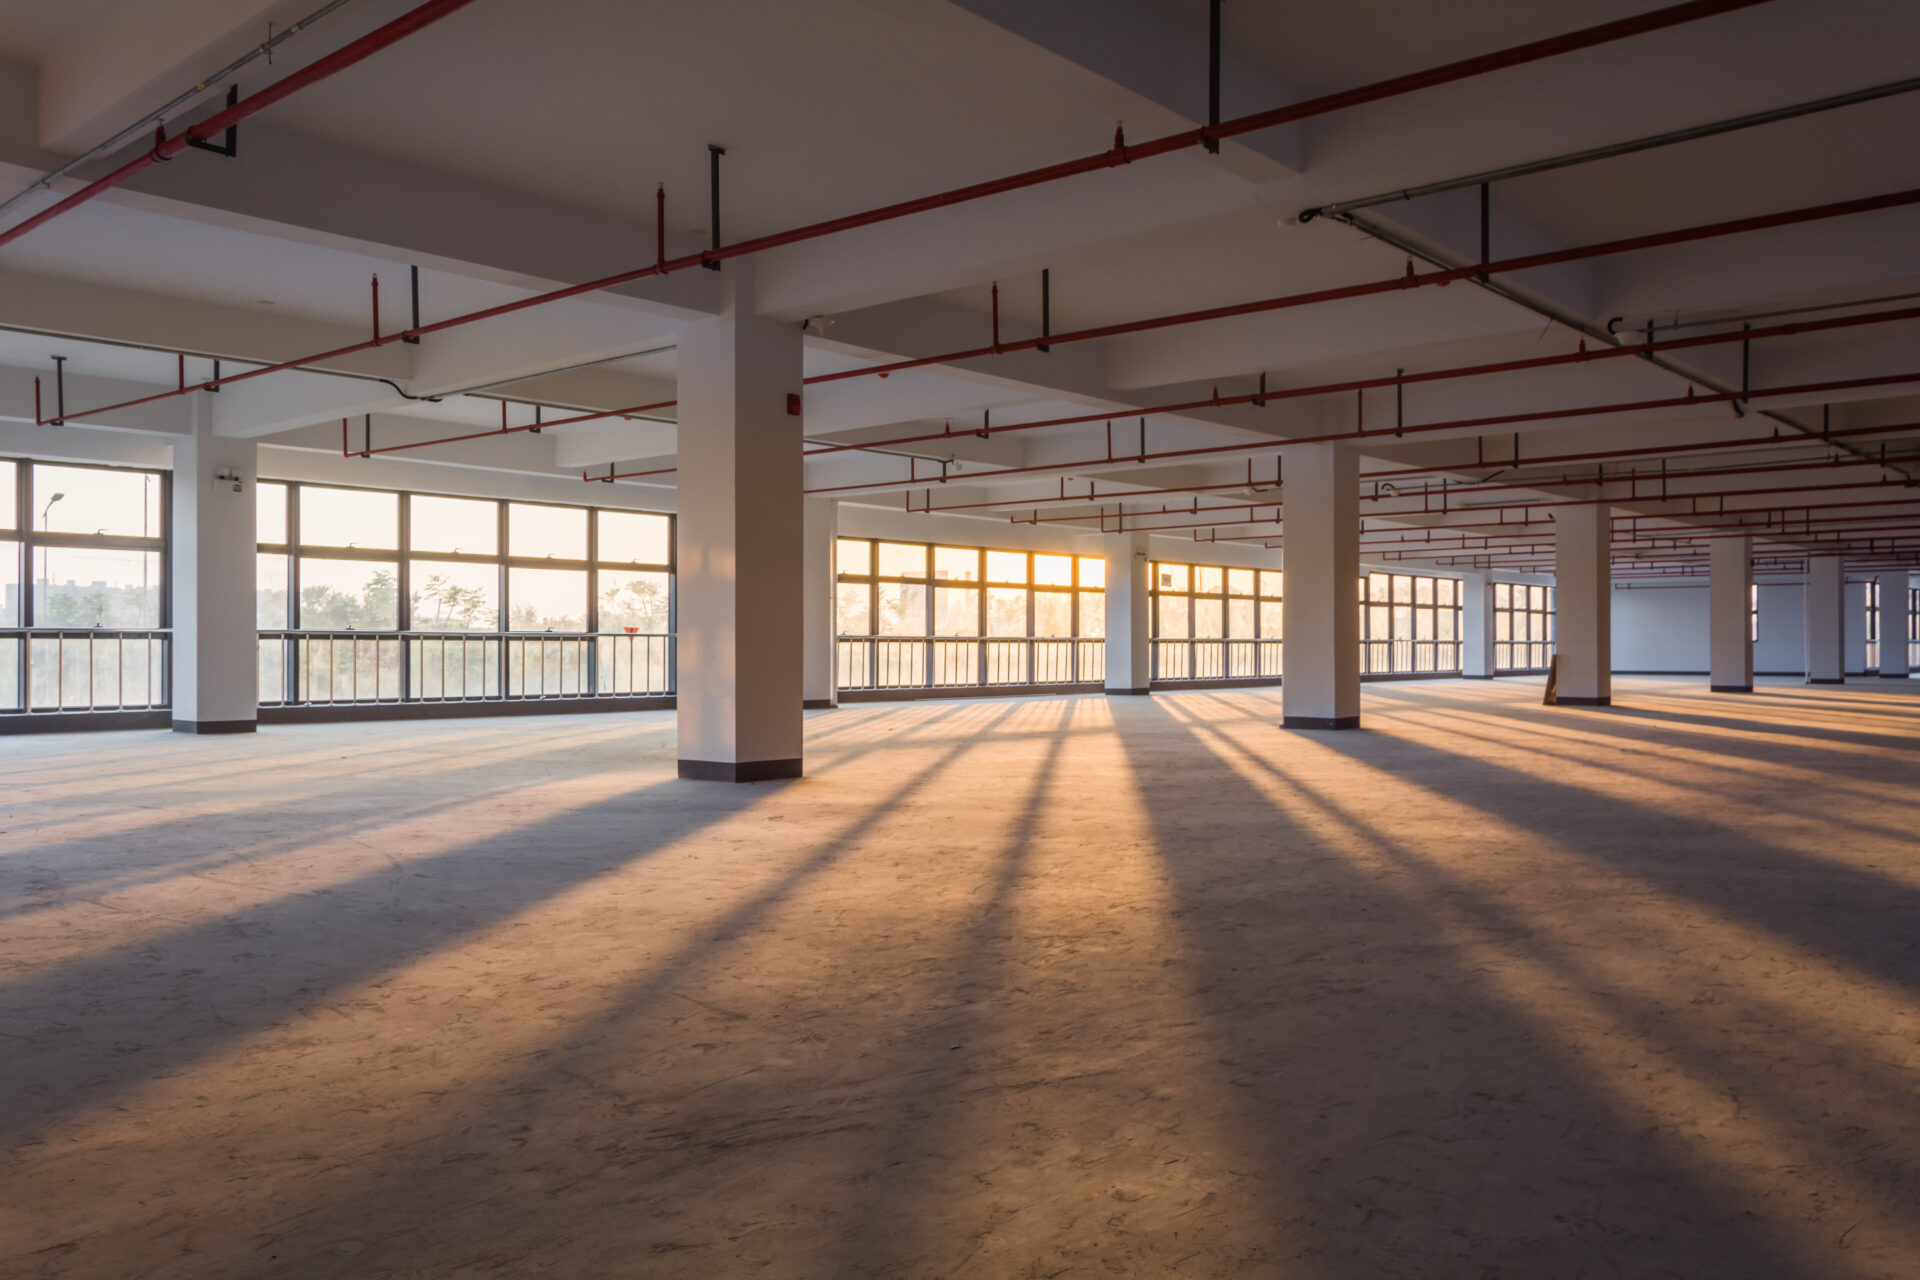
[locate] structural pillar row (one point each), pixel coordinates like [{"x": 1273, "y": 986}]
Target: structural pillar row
[
  {"x": 1583, "y": 605},
  {"x": 1825, "y": 612},
  {"x": 216, "y": 640},
  {"x": 1730, "y": 615},
  {"x": 742, "y": 545},
  {"x": 820, "y": 683},
  {"x": 1129, "y": 651},
  {"x": 1320, "y": 611},
  {"x": 1893, "y": 625}
]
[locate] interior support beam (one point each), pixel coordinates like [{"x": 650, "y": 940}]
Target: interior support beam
[
  {"x": 1583, "y": 627},
  {"x": 1320, "y": 611},
  {"x": 1729, "y": 615},
  {"x": 1825, "y": 613},
  {"x": 741, "y": 532},
  {"x": 1129, "y": 602}
]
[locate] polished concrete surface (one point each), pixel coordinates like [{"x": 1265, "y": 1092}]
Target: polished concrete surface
[{"x": 1080, "y": 986}]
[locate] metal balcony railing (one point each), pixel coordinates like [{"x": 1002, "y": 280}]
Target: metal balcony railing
[
  {"x": 955, "y": 662},
  {"x": 1409, "y": 657},
  {"x": 1175, "y": 660},
  {"x": 55, "y": 669},
  {"x": 322, "y": 668}
]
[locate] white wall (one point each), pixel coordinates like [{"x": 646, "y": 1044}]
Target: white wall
[
  {"x": 1781, "y": 645},
  {"x": 1660, "y": 629},
  {"x": 1665, "y": 629}
]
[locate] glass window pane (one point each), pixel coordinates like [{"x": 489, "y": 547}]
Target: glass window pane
[
  {"x": 957, "y": 564},
  {"x": 1208, "y": 580},
  {"x": 1423, "y": 624},
  {"x": 124, "y": 504},
  {"x": 8, "y": 496},
  {"x": 547, "y": 599},
  {"x": 1271, "y": 583},
  {"x": 1093, "y": 572},
  {"x": 853, "y": 556},
  {"x": 1007, "y": 566},
  {"x": 903, "y": 560},
  {"x": 453, "y": 596},
  {"x": 270, "y": 512},
  {"x": 336, "y": 595},
  {"x": 851, "y": 608},
  {"x": 1502, "y": 625},
  {"x": 956, "y": 611},
  {"x": 1536, "y": 597},
  {"x": 270, "y": 592},
  {"x": 1052, "y": 613},
  {"x": 1402, "y": 589},
  {"x": 540, "y": 532},
  {"x": 1423, "y": 590},
  {"x": 903, "y": 607},
  {"x": 1173, "y": 617},
  {"x": 1272, "y": 626},
  {"x": 349, "y": 518},
  {"x": 1170, "y": 577},
  {"x": 1379, "y": 622},
  {"x": 76, "y": 587},
  {"x": 1378, "y": 587},
  {"x": 1093, "y": 614},
  {"x": 635, "y": 537},
  {"x": 635, "y": 600},
  {"x": 467, "y": 526},
  {"x": 1239, "y": 582},
  {"x": 1445, "y": 588},
  {"x": 1007, "y": 609},
  {"x": 9, "y": 585},
  {"x": 1052, "y": 571},
  {"x": 1502, "y": 596},
  {"x": 1208, "y": 621},
  {"x": 1444, "y": 620},
  {"x": 1240, "y": 619}
]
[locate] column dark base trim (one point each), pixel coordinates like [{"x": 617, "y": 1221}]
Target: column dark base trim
[
  {"x": 1122, "y": 693},
  {"x": 739, "y": 770},
  {"x": 818, "y": 704},
  {"x": 1731, "y": 688},
  {"x": 1487, "y": 676},
  {"x": 215, "y": 726},
  {"x": 1826, "y": 680},
  {"x": 1319, "y": 722},
  {"x": 1567, "y": 700}
]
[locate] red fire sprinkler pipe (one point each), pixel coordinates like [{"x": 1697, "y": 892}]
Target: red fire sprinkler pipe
[
  {"x": 1121, "y": 153},
  {"x": 165, "y": 148}
]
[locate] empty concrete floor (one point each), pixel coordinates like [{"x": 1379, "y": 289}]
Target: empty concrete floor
[{"x": 1069, "y": 987}]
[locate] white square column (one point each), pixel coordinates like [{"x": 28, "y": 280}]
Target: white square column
[
  {"x": 1583, "y": 605},
  {"x": 1893, "y": 625},
  {"x": 1826, "y": 595},
  {"x": 1129, "y": 650},
  {"x": 1476, "y": 626},
  {"x": 1730, "y": 615},
  {"x": 216, "y": 638},
  {"x": 1320, "y": 611},
  {"x": 742, "y": 537},
  {"x": 819, "y": 682}
]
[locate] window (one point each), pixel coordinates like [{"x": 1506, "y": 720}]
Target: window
[
  {"x": 913, "y": 615},
  {"x": 1409, "y": 624},
  {"x": 371, "y": 595},
  {"x": 1522, "y": 626},
  {"x": 1211, "y": 622},
  {"x": 83, "y": 588}
]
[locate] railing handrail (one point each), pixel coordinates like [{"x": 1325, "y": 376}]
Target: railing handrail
[
  {"x": 977, "y": 639},
  {"x": 86, "y": 631},
  {"x": 296, "y": 633}
]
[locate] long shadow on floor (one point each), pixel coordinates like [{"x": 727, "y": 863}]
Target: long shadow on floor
[
  {"x": 251, "y": 971},
  {"x": 1851, "y": 913},
  {"x": 1414, "y": 1121}
]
